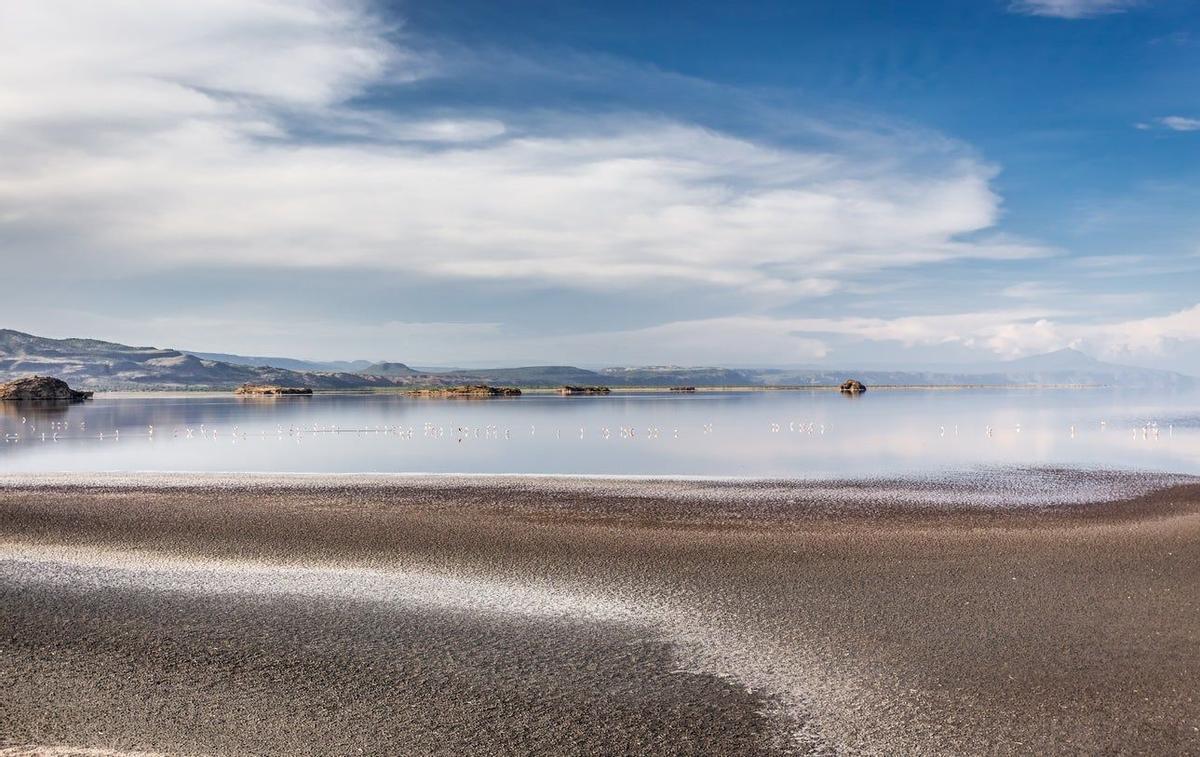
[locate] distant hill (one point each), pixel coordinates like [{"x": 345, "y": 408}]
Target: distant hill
[
  {"x": 387, "y": 369},
  {"x": 535, "y": 376},
  {"x": 93, "y": 364},
  {"x": 1070, "y": 366},
  {"x": 1066, "y": 367},
  {"x": 679, "y": 376},
  {"x": 287, "y": 363},
  {"x": 1060, "y": 360},
  {"x": 101, "y": 365},
  {"x": 1060, "y": 368},
  {"x": 98, "y": 365}
]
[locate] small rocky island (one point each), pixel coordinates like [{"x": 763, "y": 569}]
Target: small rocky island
[
  {"x": 41, "y": 389},
  {"x": 473, "y": 390},
  {"x": 270, "y": 390},
  {"x": 853, "y": 386},
  {"x": 569, "y": 390}
]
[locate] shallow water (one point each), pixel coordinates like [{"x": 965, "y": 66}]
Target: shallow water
[{"x": 790, "y": 434}]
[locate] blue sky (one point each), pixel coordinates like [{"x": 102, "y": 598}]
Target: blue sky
[{"x": 837, "y": 183}]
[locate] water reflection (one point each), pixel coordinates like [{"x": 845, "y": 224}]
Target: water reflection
[{"x": 788, "y": 434}]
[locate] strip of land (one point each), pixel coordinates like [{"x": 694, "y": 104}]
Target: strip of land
[{"x": 1020, "y": 612}]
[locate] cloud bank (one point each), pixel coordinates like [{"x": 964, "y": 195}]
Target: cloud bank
[
  {"x": 249, "y": 136},
  {"x": 1002, "y": 334},
  {"x": 164, "y": 135}
]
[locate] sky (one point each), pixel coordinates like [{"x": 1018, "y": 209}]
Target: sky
[{"x": 476, "y": 183}]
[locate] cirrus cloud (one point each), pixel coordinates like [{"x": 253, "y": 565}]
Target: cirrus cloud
[
  {"x": 1072, "y": 9},
  {"x": 1181, "y": 123}
]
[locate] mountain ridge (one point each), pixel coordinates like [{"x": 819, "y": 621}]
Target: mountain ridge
[
  {"x": 286, "y": 363},
  {"x": 101, "y": 365}
]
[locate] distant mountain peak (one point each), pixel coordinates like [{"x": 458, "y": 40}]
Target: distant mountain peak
[
  {"x": 387, "y": 369},
  {"x": 1065, "y": 359}
]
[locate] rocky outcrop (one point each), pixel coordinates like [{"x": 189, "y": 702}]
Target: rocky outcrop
[
  {"x": 569, "y": 390},
  {"x": 474, "y": 390},
  {"x": 853, "y": 386},
  {"x": 270, "y": 390},
  {"x": 41, "y": 388}
]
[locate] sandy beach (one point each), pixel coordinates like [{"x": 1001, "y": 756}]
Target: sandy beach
[{"x": 1026, "y": 612}]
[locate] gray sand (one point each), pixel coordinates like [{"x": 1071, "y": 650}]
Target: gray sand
[{"x": 450, "y": 615}]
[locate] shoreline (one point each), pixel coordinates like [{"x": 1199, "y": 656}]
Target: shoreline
[
  {"x": 979, "y": 489},
  {"x": 539, "y": 391},
  {"x": 765, "y": 617}
]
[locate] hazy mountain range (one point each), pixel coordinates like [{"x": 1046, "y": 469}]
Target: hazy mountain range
[
  {"x": 287, "y": 363},
  {"x": 93, "y": 364}
]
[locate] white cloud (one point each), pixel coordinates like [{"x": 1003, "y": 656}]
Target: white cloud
[
  {"x": 1180, "y": 123},
  {"x": 1000, "y": 333},
  {"x": 970, "y": 329},
  {"x": 1072, "y": 8},
  {"x": 1133, "y": 339},
  {"x": 80, "y": 62},
  {"x": 448, "y": 130},
  {"x": 744, "y": 340},
  {"x": 1018, "y": 333},
  {"x": 1017, "y": 339},
  {"x": 1032, "y": 290},
  {"x": 1147, "y": 335},
  {"x": 166, "y": 135}
]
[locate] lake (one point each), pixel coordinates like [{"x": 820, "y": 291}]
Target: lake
[{"x": 790, "y": 434}]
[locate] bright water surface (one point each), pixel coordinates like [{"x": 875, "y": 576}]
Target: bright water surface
[{"x": 793, "y": 434}]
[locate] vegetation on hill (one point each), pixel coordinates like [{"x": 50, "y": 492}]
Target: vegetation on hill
[
  {"x": 474, "y": 390},
  {"x": 569, "y": 390},
  {"x": 260, "y": 390}
]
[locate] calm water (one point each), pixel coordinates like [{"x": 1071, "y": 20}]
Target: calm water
[{"x": 785, "y": 434}]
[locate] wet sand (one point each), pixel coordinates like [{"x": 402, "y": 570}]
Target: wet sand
[{"x": 1016, "y": 612}]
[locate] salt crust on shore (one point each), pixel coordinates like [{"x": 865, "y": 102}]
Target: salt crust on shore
[
  {"x": 999, "y": 487},
  {"x": 807, "y": 683},
  {"x": 58, "y": 750},
  {"x": 701, "y": 646}
]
